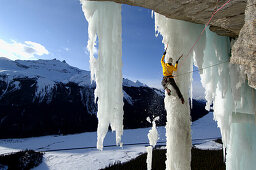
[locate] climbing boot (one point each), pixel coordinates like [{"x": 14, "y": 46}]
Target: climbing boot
[
  {"x": 168, "y": 91},
  {"x": 182, "y": 100}
]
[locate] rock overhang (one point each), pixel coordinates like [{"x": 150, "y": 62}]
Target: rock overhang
[{"x": 227, "y": 22}]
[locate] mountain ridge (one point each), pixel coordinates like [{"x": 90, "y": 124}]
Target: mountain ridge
[{"x": 33, "y": 104}]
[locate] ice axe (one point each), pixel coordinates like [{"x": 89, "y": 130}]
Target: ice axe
[{"x": 179, "y": 58}]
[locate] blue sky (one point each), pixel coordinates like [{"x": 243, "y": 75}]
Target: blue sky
[{"x": 50, "y": 29}]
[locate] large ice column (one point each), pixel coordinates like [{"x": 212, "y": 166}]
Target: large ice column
[
  {"x": 104, "y": 23},
  {"x": 233, "y": 103},
  {"x": 180, "y": 37}
]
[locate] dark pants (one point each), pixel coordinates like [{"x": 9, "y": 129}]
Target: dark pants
[{"x": 171, "y": 81}]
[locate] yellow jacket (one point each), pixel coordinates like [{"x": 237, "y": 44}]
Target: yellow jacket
[{"x": 168, "y": 69}]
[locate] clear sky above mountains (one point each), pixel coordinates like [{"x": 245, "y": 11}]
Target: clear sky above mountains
[{"x": 47, "y": 29}]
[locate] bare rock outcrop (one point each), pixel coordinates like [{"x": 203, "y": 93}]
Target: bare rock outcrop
[
  {"x": 244, "y": 49},
  {"x": 227, "y": 21}
]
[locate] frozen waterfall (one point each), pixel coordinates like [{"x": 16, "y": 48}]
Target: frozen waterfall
[
  {"x": 233, "y": 103},
  {"x": 225, "y": 84},
  {"x": 104, "y": 22},
  {"x": 179, "y": 36}
]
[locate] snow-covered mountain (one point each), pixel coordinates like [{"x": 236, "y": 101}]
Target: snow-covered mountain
[
  {"x": 129, "y": 83},
  {"x": 51, "y": 97},
  {"x": 52, "y": 70},
  {"x": 48, "y": 73}
]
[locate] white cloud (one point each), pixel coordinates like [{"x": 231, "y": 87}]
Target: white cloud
[{"x": 24, "y": 51}]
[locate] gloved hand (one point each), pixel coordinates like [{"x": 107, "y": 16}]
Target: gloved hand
[
  {"x": 177, "y": 61},
  {"x": 164, "y": 52}
]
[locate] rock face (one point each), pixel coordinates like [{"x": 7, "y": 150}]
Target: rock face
[
  {"x": 226, "y": 22},
  {"x": 244, "y": 49}
]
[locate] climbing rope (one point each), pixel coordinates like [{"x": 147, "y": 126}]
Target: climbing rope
[
  {"x": 216, "y": 10},
  {"x": 199, "y": 37},
  {"x": 203, "y": 68}
]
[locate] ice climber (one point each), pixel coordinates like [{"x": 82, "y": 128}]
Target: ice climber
[{"x": 168, "y": 69}]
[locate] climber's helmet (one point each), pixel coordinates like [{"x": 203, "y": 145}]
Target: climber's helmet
[{"x": 170, "y": 60}]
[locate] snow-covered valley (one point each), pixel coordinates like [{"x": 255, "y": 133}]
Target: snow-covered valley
[{"x": 204, "y": 131}]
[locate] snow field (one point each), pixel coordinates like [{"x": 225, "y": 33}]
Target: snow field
[{"x": 203, "y": 130}]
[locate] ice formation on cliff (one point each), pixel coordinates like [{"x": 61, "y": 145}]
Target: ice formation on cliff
[
  {"x": 104, "y": 23},
  {"x": 179, "y": 36},
  {"x": 225, "y": 84},
  {"x": 233, "y": 102}
]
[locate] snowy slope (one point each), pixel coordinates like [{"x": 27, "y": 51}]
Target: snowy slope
[
  {"x": 203, "y": 132},
  {"x": 48, "y": 73},
  {"x": 52, "y": 70},
  {"x": 129, "y": 83}
]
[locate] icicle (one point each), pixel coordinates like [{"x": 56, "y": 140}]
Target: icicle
[
  {"x": 104, "y": 22},
  {"x": 191, "y": 96},
  {"x": 152, "y": 137},
  {"x": 191, "y": 86},
  {"x": 152, "y": 14},
  {"x": 254, "y": 106}
]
